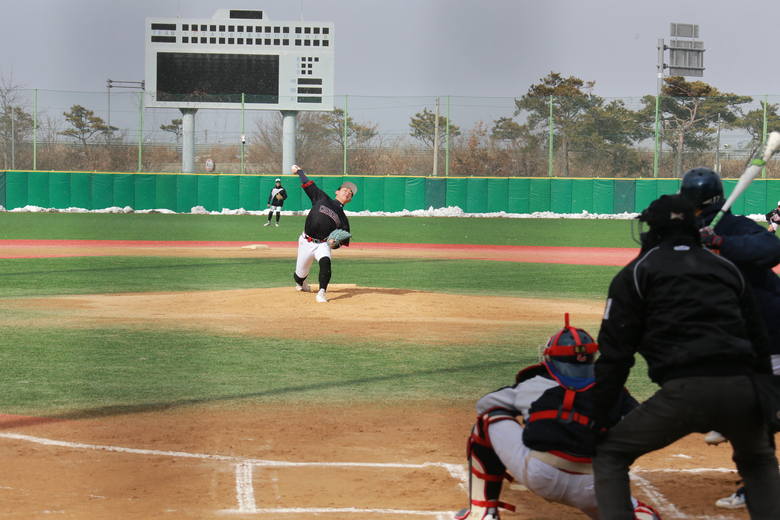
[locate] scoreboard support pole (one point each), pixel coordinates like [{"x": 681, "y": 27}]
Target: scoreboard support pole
[
  {"x": 288, "y": 140},
  {"x": 188, "y": 140}
]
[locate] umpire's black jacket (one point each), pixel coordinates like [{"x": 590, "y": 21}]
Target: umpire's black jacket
[{"x": 687, "y": 311}]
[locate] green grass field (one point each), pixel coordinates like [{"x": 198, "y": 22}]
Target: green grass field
[
  {"x": 422, "y": 230},
  {"x": 81, "y": 371}
]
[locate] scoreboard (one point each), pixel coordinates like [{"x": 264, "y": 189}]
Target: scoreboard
[{"x": 211, "y": 63}]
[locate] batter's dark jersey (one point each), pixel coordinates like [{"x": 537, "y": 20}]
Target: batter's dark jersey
[
  {"x": 326, "y": 214},
  {"x": 755, "y": 251}
]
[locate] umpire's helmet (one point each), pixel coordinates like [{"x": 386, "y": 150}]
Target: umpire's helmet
[
  {"x": 702, "y": 187},
  {"x": 571, "y": 351},
  {"x": 669, "y": 211}
]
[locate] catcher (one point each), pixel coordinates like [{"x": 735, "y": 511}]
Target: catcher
[
  {"x": 326, "y": 228},
  {"x": 548, "y": 452}
]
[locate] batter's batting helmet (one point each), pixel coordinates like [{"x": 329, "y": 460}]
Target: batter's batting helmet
[
  {"x": 571, "y": 351},
  {"x": 702, "y": 187}
]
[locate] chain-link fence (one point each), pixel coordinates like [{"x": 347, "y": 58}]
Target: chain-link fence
[{"x": 477, "y": 136}]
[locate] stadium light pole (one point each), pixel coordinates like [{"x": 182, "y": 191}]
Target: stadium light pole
[
  {"x": 686, "y": 58},
  {"x": 661, "y": 49}
]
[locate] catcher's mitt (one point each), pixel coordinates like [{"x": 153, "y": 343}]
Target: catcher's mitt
[{"x": 336, "y": 237}]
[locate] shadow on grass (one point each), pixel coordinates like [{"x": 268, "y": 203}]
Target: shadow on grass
[{"x": 13, "y": 421}]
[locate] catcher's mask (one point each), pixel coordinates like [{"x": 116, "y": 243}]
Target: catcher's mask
[{"x": 571, "y": 351}]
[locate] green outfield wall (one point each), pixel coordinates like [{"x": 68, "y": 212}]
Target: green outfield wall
[{"x": 182, "y": 192}]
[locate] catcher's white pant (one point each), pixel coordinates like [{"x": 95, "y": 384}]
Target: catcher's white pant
[
  {"x": 308, "y": 252},
  {"x": 547, "y": 481}
]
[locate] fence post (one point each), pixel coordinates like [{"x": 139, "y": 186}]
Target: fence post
[
  {"x": 35, "y": 131},
  {"x": 655, "y": 155},
  {"x": 140, "y": 130},
  {"x": 243, "y": 136},
  {"x": 436, "y": 141},
  {"x": 447, "y": 147},
  {"x": 550, "y": 159},
  {"x": 345, "y": 134},
  {"x": 763, "y": 170}
]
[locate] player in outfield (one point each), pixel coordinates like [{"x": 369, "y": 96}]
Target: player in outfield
[
  {"x": 275, "y": 201},
  {"x": 547, "y": 453},
  {"x": 773, "y": 218},
  {"x": 754, "y": 250},
  {"x": 326, "y": 216},
  {"x": 692, "y": 316}
]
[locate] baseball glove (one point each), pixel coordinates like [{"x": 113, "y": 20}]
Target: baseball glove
[
  {"x": 336, "y": 237},
  {"x": 279, "y": 196}
]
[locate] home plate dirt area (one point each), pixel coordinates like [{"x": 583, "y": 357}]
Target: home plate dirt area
[{"x": 249, "y": 460}]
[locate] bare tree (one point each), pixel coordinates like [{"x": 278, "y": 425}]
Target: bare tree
[{"x": 16, "y": 122}]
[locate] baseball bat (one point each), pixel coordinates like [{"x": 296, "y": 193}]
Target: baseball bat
[{"x": 771, "y": 146}]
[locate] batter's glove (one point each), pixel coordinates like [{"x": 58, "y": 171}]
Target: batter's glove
[
  {"x": 336, "y": 237},
  {"x": 709, "y": 239}
]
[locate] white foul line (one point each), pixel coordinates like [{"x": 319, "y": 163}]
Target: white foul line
[
  {"x": 244, "y": 490},
  {"x": 456, "y": 470}
]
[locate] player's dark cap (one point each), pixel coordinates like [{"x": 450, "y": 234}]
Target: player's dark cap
[{"x": 351, "y": 186}]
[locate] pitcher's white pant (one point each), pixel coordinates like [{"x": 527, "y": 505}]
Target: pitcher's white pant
[
  {"x": 308, "y": 252},
  {"x": 547, "y": 481}
]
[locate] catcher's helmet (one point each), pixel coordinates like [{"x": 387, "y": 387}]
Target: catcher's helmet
[
  {"x": 571, "y": 351},
  {"x": 702, "y": 187}
]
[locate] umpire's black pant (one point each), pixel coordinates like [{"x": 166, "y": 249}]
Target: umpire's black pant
[{"x": 683, "y": 406}]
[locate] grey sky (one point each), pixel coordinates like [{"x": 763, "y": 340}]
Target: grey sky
[
  {"x": 495, "y": 48},
  {"x": 393, "y": 59}
]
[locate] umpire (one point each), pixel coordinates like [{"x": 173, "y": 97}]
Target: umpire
[{"x": 693, "y": 318}]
